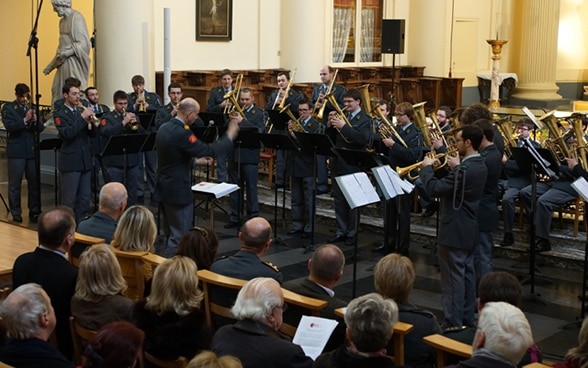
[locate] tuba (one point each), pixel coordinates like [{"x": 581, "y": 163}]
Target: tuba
[
  {"x": 505, "y": 129},
  {"x": 386, "y": 129},
  {"x": 557, "y": 143},
  {"x": 581, "y": 146},
  {"x": 420, "y": 120}
]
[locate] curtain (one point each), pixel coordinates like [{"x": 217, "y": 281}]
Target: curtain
[
  {"x": 367, "y": 35},
  {"x": 341, "y": 28}
]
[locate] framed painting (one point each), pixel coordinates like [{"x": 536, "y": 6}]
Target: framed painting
[{"x": 214, "y": 20}]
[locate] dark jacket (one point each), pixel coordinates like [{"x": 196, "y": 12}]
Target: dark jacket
[
  {"x": 99, "y": 225},
  {"x": 170, "y": 336},
  {"x": 94, "y": 315},
  {"x": 254, "y": 121},
  {"x": 343, "y": 358},
  {"x": 300, "y": 164},
  {"x": 20, "y": 141},
  {"x": 357, "y": 136},
  {"x": 417, "y": 354},
  {"x": 110, "y": 126},
  {"x": 488, "y": 212},
  {"x": 481, "y": 361},
  {"x": 33, "y": 353},
  {"x": 75, "y": 153}
]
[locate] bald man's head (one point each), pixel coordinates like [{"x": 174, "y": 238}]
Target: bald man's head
[
  {"x": 256, "y": 233},
  {"x": 113, "y": 199}
]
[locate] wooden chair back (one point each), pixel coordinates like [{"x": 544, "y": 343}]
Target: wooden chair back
[
  {"x": 4, "y": 292},
  {"x": 445, "y": 346},
  {"x": 4, "y": 365},
  {"x": 81, "y": 243},
  {"x": 80, "y": 336},
  {"x": 181, "y": 362},
  {"x": 212, "y": 280},
  {"x": 299, "y": 305},
  {"x": 131, "y": 265}
]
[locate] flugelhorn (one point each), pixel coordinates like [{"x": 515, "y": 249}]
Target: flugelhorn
[
  {"x": 340, "y": 114},
  {"x": 92, "y": 119},
  {"x": 386, "y": 129},
  {"x": 133, "y": 123},
  {"x": 141, "y": 104},
  {"x": 296, "y": 126},
  {"x": 323, "y": 101},
  {"x": 405, "y": 171}
]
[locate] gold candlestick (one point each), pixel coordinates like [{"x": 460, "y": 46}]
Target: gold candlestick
[{"x": 496, "y": 51}]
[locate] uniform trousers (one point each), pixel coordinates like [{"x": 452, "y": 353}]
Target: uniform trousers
[
  {"x": 322, "y": 174},
  {"x": 302, "y": 195},
  {"x": 131, "y": 182},
  {"x": 178, "y": 220},
  {"x": 483, "y": 255},
  {"x": 280, "y": 158},
  {"x": 345, "y": 217},
  {"x": 75, "y": 191},
  {"x": 458, "y": 288},
  {"x": 221, "y": 167},
  {"x": 17, "y": 167},
  {"x": 149, "y": 164},
  {"x": 508, "y": 208},
  {"x": 247, "y": 180}
]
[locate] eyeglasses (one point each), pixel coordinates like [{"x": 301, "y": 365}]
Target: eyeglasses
[
  {"x": 201, "y": 230},
  {"x": 303, "y": 109}
]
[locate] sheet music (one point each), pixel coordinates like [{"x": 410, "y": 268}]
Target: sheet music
[
  {"x": 357, "y": 189},
  {"x": 217, "y": 189},
  {"x": 581, "y": 186},
  {"x": 388, "y": 180},
  {"x": 313, "y": 333}
]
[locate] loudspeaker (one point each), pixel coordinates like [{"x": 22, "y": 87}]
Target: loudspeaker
[{"x": 393, "y": 36}]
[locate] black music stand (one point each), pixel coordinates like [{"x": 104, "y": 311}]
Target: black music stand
[
  {"x": 315, "y": 144},
  {"x": 247, "y": 138},
  {"x": 213, "y": 119},
  {"x": 51, "y": 144},
  {"x": 146, "y": 118},
  {"x": 279, "y": 120},
  {"x": 278, "y": 142},
  {"x": 365, "y": 161},
  {"x": 124, "y": 144}
]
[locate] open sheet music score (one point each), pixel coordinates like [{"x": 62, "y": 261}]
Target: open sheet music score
[
  {"x": 357, "y": 189},
  {"x": 390, "y": 182},
  {"x": 313, "y": 333},
  {"x": 217, "y": 189},
  {"x": 581, "y": 186}
]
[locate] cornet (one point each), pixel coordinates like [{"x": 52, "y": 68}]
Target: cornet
[
  {"x": 133, "y": 124},
  {"x": 141, "y": 104},
  {"x": 339, "y": 115},
  {"x": 405, "y": 171}
]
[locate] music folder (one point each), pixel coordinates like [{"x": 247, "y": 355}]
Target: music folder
[{"x": 357, "y": 189}]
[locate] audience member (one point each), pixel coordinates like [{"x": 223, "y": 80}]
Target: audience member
[
  {"x": 47, "y": 266},
  {"x": 29, "y": 319},
  {"x": 254, "y": 338},
  {"x": 502, "y": 337},
  {"x": 208, "y": 359},
  {"x": 199, "y": 244},
  {"x": 116, "y": 345},
  {"x": 98, "y": 299},
  {"x": 171, "y": 316},
  {"x": 394, "y": 278},
  {"x": 370, "y": 322},
  {"x": 577, "y": 357},
  {"x": 112, "y": 203}
]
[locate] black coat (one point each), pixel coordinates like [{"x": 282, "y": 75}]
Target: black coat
[
  {"x": 254, "y": 121},
  {"x": 417, "y": 354},
  {"x": 300, "y": 164},
  {"x": 488, "y": 212},
  {"x": 75, "y": 153},
  {"x": 33, "y": 353},
  {"x": 20, "y": 142},
  {"x": 111, "y": 125},
  {"x": 357, "y": 134},
  {"x": 342, "y": 358}
]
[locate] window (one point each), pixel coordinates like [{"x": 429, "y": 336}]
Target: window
[{"x": 357, "y": 35}]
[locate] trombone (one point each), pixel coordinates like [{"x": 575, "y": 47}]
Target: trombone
[
  {"x": 233, "y": 99},
  {"x": 238, "y": 82},
  {"x": 296, "y": 126},
  {"x": 322, "y": 101},
  {"x": 386, "y": 129},
  {"x": 286, "y": 91}
]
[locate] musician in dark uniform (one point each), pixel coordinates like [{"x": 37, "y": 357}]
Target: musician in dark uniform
[
  {"x": 150, "y": 101},
  {"x": 460, "y": 193},
  {"x": 327, "y": 76},
  {"x": 398, "y": 210},
  {"x": 217, "y": 103},
  {"x": 115, "y": 123},
  {"x": 21, "y": 124},
  {"x": 300, "y": 168},
  {"x": 243, "y": 162},
  {"x": 169, "y": 111},
  {"x": 99, "y": 109},
  {"x": 354, "y": 135},
  {"x": 73, "y": 125},
  {"x": 176, "y": 146}
]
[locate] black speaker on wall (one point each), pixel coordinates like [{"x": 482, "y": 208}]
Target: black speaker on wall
[{"x": 393, "y": 36}]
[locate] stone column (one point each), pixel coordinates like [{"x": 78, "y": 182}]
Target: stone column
[{"x": 538, "y": 55}]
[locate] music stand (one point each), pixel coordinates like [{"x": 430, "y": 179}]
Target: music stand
[
  {"x": 278, "y": 119},
  {"x": 317, "y": 144},
  {"x": 124, "y": 144},
  {"x": 278, "y": 142},
  {"x": 51, "y": 144},
  {"x": 247, "y": 138},
  {"x": 146, "y": 118},
  {"x": 215, "y": 119}
]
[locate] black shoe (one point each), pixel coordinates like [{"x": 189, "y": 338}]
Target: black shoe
[
  {"x": 319, "y": 192},
  {"x": 430, "y": 211},
  {"x": 17, "y": 218},
  {"x": 33, "y": 218},
  {"x": 350, "y": 241},
  {"x": 508, "y": 240},
  {"x": 542, "y": 245},
  {"x": 231, "y": 225},
  {"x": 383, "y": 248},
  {"x": 337, "y": 239},
  {"x": 294, "y": 231}
]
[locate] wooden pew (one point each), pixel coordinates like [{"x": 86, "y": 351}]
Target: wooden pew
[
  {"x": 81, "y": 243},
  {"x": 16, "y": 240},
  {"x": 445, "y": 346}
]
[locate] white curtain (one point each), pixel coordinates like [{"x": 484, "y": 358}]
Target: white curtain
[
  {"x": 342, "y": 26},
  {"x": 367, "y": 35}
]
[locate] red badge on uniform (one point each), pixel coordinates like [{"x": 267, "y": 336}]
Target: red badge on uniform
[
  {"x": 192, "y": 139},
  {"x": 57, "y": 121},
  {"x": 103, "y": 122}
]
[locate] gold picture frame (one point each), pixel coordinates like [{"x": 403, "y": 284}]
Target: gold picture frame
[{"x": 214, "y": 20}]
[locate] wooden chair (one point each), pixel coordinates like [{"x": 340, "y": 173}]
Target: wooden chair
[
  {"x": 210, "y": 280},
  {"x": 181, "y": 362},
  {"x": 400, "y": 330},
  {"x": 81, "y": 243},
  {"x": 267, "y": 163},
  {"x": 537, "y": 365},
  {"x": 131, "y": 264},
  {"x": 303, "y": 305},
  {"x": 4, "y": 292},
  {"x": 445, "y": 346},
  {"x": 575, "y": 208},
  {"x": 80, "y": 337},
  {"x": 4, "y": 365}
]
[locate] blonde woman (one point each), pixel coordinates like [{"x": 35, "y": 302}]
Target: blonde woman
[
  {"x": 172, "y": 316},
  {"x": 136, "y": 232},
  {"x": 98, "y": 298}
]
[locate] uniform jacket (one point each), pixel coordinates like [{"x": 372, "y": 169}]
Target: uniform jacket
[
  {"x": 75, "y": 153},
  {"x": 215, "y": 98},
  {"x": 99, "y": 225},
  {"x": 403, "y": 156},
  {"x": 176, "y": 146},
  {"x": 488, "y": 212},
  {"x": 254, "y": 120},
  {"x": 300, "y": 164},
  {"x": 33, "y": 353},
  {"x": 459, "y": 212},
  {"x": 20, "y": 142},
  {"x": 258, "y": 345},
  {"x": 246, "y": 266},
  {"x": 358, "y": 134},
  {"x": 293, "y": 99},
  {"x": 343, "y": 358},
  {"x": 111, "y": 125},
  {"x": 338, "y": 92},
  {"x": 151, "y": 98}
]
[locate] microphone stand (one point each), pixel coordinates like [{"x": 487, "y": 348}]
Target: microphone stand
[{"x": 33, "y": 44}]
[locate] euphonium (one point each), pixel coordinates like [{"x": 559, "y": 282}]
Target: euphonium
[
  {"x": 405, "y": 171},
  {"x": 556, "y": 143},
  {"x": 581, "y": 146},
  {"x": 506, "y": 131},
  {"x": 420, "y": 120},
  {"x": 340, "y": 114},
  {"x": 321, "y": 112},
  {"x": 386, "y": 129},
  {"x": 296, "y": 126}
]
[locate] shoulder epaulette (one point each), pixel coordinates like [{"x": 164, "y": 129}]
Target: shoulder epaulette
[{"x": 271, "y": 265}]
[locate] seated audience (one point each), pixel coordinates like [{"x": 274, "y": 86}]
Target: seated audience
[
  {"x": 254, "y": 338},
  {"x": 200, "y": 245},
  {"x": 29, "y": 320},
  {"x": 112, "y": 203},
  {"x": 116, "y": 345},
  {"x": 98, "y": 299},
  {"x": 171, "y": 316},
  {"x": 370, "y": 323},
  {"x": 502, "y": 337},
  {"x": 208, "y": 359},
  {"x": 577, "y": 357},
  {"x": 394, "y": 278}
]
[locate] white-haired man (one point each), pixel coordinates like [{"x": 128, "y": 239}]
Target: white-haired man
[
  {"x": 29, "y": 320},
  {"x": 254, "y": 338},
  {"x": 112, "y": 203},
  {"x": 502, "y": 337}
]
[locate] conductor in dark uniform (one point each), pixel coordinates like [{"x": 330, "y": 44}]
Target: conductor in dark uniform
[
  {"x": 73, "y": 125},
  {"x": 243, "y": 162},
  {"x": 120, "y": 168},
  {"x": 354, "y": 130},
  {"x": 402, "y": 154},
  {"x": 176, "y": 146},
  {"x": 460, "y": 192},
  {"x": 21, "y": 123}
]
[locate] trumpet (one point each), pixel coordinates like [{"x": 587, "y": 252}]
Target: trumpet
[
  {"x": 142, "y": 105},
  {"x": 386, "y": 129},
  {"x": 133, "y": 123},
  {"x": 322, "y": 101},
  {"x": 406, "y": 171},
  {"x": 340, "y": 114},
  {"x": 229, "y": 106},
  {"x": 92, "y": 119}
]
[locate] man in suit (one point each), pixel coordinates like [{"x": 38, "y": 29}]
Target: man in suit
[
  {"x": 113, "y": 201},
  {"x": 458, "y": 233},
  {"x": 73, "y": 125},
  {"x": 217, "y": 103},
  {"x": 243, "y": 163},
  {"x": 352, "y": 136},
  {"x": 47, "y": 266},
  {"x": 141, "y": 100},
  {"x": 176, "y": 146},
  {"x": 30, "y": 319},
  {"x": 327, "y": 76},
  {"x": 20, "y": 121},
  {"x": 401, "y": 156}
]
